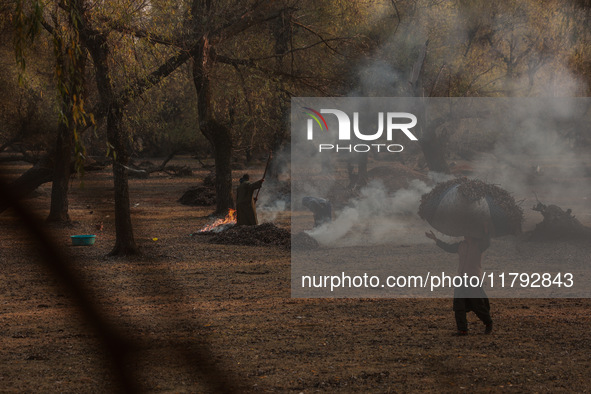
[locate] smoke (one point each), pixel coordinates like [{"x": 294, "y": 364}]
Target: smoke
[
  {"x": 519, "y": 49},
  {"x": 536, "y": 157},
  {"x": 270, "y": 210},
  {"x": 530, "y": 146},
  {"x": 378, "y": 78},
  {"x": 377, "y": 216}
]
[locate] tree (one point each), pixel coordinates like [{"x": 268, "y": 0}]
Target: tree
[
  {"x": 96, "y": 42},
  {"x": 69, "y": 73},
  {"x": 69, "y": 76},
  {"x": 70, "y": 57},
  {"x": 207, "y": 39},
  {"x": 207, "y": 29},
  {"x": 210, "y": 42},
  {"x": 218, "y": 134}
]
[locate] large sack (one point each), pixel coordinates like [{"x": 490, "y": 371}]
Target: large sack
[{"x": 463, "y": 206}]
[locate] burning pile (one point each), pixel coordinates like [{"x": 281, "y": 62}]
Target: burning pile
[
  {"x": 463, "y": 206},
  {"x": 262, "y": 235},
  {"x": 225, "y": 232},
  {"x": 221, "y": 224}
]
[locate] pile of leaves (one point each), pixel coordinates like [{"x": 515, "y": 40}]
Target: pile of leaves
[
  {"x": 180, "y": 171},
  {"x": 199, "y": 196},
  {"x": 262, "y": 235},
  {"x": 303, "y": 241},
  {"x": 558, "y": 225},
  {"x": 473, "y": 190}
]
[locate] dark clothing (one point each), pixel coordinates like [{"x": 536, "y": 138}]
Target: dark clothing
[
  {"x": 246, "y": 212},
  {"x": 320, "y": 207},
  {"x": 462, "y": 305},
  {"x": 468, "y": 299}
]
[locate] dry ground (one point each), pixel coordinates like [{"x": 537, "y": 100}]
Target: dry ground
[{"x": 184, "y": 291}]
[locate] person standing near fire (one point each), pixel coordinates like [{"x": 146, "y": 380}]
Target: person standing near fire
[
  {"x": 468, "y": 299},
  {"x": 246, "y": 212}
]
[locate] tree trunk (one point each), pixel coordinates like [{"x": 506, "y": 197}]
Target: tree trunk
[
  {"x": 58, "y": 211},
  {"x": 40, "y": 173},
  {"x": 434, "y": 152},
  {"x": 96, "y": 43},
  {"x": 283, "y": 35},
  {"x": 219, "y": 136},
  {"x": 70, "y": 71},
  {"x": 362, "y": 169},
  {"x": 222, "y": 145},
  {"x": 432, "y": 145},
  {"x": 124, "y": 241}
]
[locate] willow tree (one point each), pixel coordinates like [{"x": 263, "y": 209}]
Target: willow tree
[
  {"x": 70, "y": 59},
  {"x": 88, "y": 31},
  {"x": 70, "y": 71},
  {"x": 112, "y": 103},
  {"x": 251, "y": 40}
]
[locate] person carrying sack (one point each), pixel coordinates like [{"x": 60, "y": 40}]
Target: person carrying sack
[{"x": 468, "y": 299}]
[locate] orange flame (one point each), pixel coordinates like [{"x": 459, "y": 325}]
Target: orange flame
[{"x": 229, "y": 219}]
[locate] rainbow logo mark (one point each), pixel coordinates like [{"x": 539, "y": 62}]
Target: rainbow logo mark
[{"x": 317, "y": 117}]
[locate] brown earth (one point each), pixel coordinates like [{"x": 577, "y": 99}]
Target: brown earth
[{"x": 185, "y": 291}]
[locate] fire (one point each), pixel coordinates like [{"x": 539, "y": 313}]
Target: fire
[{"x": 221, "y": 224}]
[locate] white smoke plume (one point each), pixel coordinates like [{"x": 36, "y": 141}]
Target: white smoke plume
[
  {"x": 271, "y": 210},
  {"x": 376, "y": 217}
]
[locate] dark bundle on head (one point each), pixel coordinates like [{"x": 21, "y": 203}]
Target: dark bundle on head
[{"x": 505, "y": 215}]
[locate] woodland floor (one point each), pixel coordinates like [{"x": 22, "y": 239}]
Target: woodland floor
[{"x": 236, "y": 299}]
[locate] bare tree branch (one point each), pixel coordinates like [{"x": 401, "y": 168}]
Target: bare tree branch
[
  {"x": 322, "y": 39},
  {"x": 141, "y": 33},
  {"x": 251, "y": 62},
  {"x": 154, "y": 77},
  {"x": 263, "y": 12}
]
